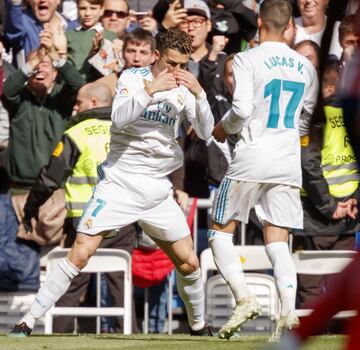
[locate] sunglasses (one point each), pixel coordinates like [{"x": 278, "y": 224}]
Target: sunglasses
[{"x": 119, "y": 14}]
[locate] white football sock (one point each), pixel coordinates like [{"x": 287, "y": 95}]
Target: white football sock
[
  {"x": 284, "y": 274},
  {"x": 54, "y": 287},
  {"x": 228, "y": 263},
  {"x": 191, "y": 291}
]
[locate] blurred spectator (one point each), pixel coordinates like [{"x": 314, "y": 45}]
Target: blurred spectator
[
  {"x": 290, "y": 33},
  {"x": 69, "y": 9},
  {"x": 311, "y": 50},
  {"x": 349, "y": 9},
  {"x": 23, "y": 25},
  {"x": 331, "y": 182},
  {"x": 38, "y": 107},
  {"x": 348, "y": 39},
  {"x": 237, "y": 20},
  {"x": 88, "y": 39},
  {"x": 138, "y": 51},
  {"x": 6, "y": 69},
  {"x": 116, "y": 16},
  {"x": 74, "y": 162},
  {"x": 311, "y": 24}
]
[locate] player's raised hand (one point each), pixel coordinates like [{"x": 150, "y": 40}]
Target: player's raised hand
[
  {"x": 163, "y": 81},
  {"x": 187, "y": 79},
  {"x": 219, "y": 133}
]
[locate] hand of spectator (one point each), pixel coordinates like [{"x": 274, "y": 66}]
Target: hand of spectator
[
  {"x": 97, "y": 40},
  {"x": 174, "y": 15},
  {"x": 219, "y": 133},
  {"x": 218, "y": 44},
  {"x": 189, "y": 80},
  {"x": 117, "y": 45},
  {"x": 47, "y": 42},
  {"x": 28, "y": 215},
  {"x": 347, "y": 208},
  {"x": 353, "y": 208},
  {"x": 149, "y": 23},
  {"x": 59, "y": 38},
  {"x": 163, "y": 81},
  {"x": 181, "y": 198},
  {"x": 36, "y": 59}
]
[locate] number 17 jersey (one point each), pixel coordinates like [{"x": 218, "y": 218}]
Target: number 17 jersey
[{"x": 275, "y": 94}]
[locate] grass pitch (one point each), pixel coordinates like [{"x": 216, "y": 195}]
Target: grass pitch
[{"x": 149, "y": 342}]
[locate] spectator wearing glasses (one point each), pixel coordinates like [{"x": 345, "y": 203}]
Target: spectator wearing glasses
[
  {"x": 87, "y": 39},
  {"x": 116, "y": 16}
]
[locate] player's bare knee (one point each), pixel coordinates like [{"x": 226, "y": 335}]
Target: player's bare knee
[
  {"x": 190, "y": 266},
  {"x": 80, "y": 255}
]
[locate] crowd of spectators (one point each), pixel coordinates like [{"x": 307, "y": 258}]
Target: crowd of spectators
[{"x": 49, "y": 49}]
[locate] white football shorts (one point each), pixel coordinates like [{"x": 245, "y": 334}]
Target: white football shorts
[
  {"x": 120, "y": 199},
  {"x": 277, "y": 204}
]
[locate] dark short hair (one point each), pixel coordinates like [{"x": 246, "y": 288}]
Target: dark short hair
[
  {"x": 174, "y": 39},
  {"x": 139, "y": 36},
  {"x": 275, "y": 14},
  {"x": 311, "y": 43},
  {"x": 93, "y": 2},
  {"x": 347, "y": 26},
  {"x": 331, "y": 75}
]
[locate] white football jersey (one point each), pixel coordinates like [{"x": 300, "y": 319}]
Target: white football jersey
[
  {"x": 276, "y": 89},
  {"x": 144, "y": 129}
]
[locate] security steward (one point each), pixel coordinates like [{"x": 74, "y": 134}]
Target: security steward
[
  {"x": 74, "y": 162},
  {"x": 331, "y": 184}
]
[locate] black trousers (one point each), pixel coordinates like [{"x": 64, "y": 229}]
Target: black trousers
[{"x": 125, "y": 239}]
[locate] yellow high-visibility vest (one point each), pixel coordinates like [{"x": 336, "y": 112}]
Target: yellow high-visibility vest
[
  {"x": 92, "y": 138},
  {"x": 338, "y": 161}
]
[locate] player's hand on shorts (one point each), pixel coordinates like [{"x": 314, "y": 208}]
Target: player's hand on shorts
[
  {"x": 163, "y": 81},
  {"x": 187, "y": 79},
  {"x": 219, "y": 133}
]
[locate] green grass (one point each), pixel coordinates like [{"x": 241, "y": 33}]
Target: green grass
[{"x": 148, "y": 342}]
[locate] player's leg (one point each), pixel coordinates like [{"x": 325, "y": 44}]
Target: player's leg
[
  {"x": 279, "y": 209},
  {"x": 58, "y": 281},
  {"x": 167, "y": 226},
  {"x": 188, "y": 280},
  {"x": 233, "y": 200},
  {"x": 100, "y": 216}
]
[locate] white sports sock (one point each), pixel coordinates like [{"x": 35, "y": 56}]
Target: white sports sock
[
  {"x": 228, "y": 263},
  {"x": 54, "y": 287},
  {"x": 284, "y": 274},
  {"x": 191, "y": 291}
]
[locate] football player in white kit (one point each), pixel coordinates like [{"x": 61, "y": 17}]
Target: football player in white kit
[
  {"x": 275, "y": 94},
  {"x": 149, "y": 105}
]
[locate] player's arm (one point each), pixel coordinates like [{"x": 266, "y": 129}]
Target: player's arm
[
  {"x": 309, "y": 105},
  {"x": 51, "y": 178},
  {"x": 243, "y": 101},
  {"x": 197, "y": 108},
  {"x": 131, "y": 98}
]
